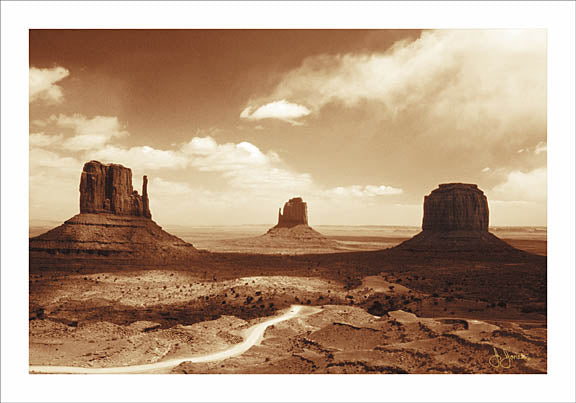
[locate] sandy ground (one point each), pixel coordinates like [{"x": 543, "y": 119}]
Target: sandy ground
[
  {"x": 373, "y": 313},
  {"x": 132, "y": 318}
]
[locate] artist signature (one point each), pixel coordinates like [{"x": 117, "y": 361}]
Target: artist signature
[{"x": 505, "y": 360}]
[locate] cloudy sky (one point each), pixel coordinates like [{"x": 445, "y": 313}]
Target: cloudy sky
[{"x": 229, "y": 124}]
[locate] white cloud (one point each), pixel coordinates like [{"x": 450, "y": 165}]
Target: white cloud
[
  {"x": 520, "y": 186},
  {"x": 270, "y": 179},
  {"x": 363, "y": 191},
  {"x": 44, "y": 140},
  {"x": 243, "y": 165},
  {"x": 487, "y": 169},
  {"x": 541, "y": 147},
  {"x": 461, "y": 78},
  {"x": 139, "y": 158},
  {"x": 170, "y": 189},
  {"x": 43, "y": 84},
  {"x": 40, "y": 159},
  {"x": 282, "y": 110},
  {"x": 89, "y": 133},
  {"x": 39, "y": 122},
  {"x": 207, "y": 155}
]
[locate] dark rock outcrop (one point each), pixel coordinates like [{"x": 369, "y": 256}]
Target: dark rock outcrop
[
  {"x": 114, "y": 222},
  {"x": 455, "y": 207},
  {"x": 295, "y": 212},
  {"x": 108, "y": 189},
  {"x": 456, "y": 221}
]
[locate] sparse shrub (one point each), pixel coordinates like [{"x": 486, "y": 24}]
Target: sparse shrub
[{"x": 376, "y": 309}]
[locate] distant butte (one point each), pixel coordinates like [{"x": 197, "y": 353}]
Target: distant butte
[
  {"x": 456, "y": 219},
  {"x": 114, "y": 221},
  {"x": 293, "y": 228},
  {"x": 295, "y": 213}
]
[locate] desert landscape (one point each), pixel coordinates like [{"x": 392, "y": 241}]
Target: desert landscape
[
  {"x": 111, "y": 292},
  {"x": 287, "y": 201}
]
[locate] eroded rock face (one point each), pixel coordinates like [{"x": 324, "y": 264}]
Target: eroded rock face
[
  {"x": 114, "y": 224},
  {"x": 295, "y": 212},
  {"x": 108, "y": 189},
  {"x": 456, "y": 224},
  {"x": 456, "y": 207}
]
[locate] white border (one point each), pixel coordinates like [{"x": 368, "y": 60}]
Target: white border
[{"x": 558, "y": 18}]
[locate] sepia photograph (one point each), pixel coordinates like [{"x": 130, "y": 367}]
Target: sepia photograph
[
  {"x": 288, "y": 201},
  {"x": 208, "y": 199}
]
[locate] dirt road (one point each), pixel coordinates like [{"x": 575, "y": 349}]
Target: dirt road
[{"x": 254, "y": 335}]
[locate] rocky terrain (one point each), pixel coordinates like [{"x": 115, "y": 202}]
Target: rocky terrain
[
  {"x": 348, "y": 340},
  {"x": 119, "y": 318},
  {"x": 460, "y": 301}
]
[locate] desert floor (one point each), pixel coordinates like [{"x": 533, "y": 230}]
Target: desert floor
[{"x": 365, "y": 312}]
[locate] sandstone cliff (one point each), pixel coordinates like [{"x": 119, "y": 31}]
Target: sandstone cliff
[
  {"x": 295, "y": 212},
  {"x": 108, "y": 189},
  {"x": 455, "y": 207},
  {"x": 455, "y": 221},
  {"x": 114, "y": 221}
]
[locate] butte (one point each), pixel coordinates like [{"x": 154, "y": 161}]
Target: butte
[
  {"x": 114, "y": 225},
  {"x": 292, "y": 235},
  {"x": 455, "y": 222},
  {"x": 293, "y": 225}
]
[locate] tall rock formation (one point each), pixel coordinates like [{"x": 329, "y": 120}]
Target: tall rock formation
[
  {"x": 456, "y": 221},
  {"x": 295, "y": 212},
  {"x": 455, "y": 207},
  {"x": 108, "y": 189},
  {"x": 114, "y": 222},
  {"x": 292, "y": 234}
]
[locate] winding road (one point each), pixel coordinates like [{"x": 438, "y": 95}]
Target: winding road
[{"x": 254, "y": 335}]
